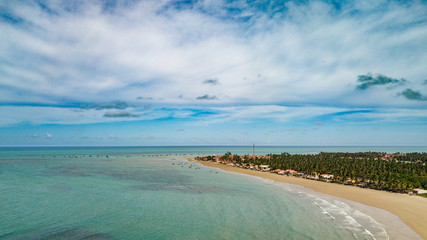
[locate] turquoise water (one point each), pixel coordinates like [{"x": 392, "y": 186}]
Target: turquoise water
[{"x": 155, "y": 193}]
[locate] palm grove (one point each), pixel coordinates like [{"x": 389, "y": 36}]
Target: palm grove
[{"x": 392, "y": 172}]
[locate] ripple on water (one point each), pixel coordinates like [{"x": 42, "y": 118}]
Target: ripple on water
[
  {"x": 183, "y": 188},
  {"x": 62, "y": 233}
]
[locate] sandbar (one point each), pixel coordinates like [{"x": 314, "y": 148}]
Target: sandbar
[{"x": 411, "y": 210}]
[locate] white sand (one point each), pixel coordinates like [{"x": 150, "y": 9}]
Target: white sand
[{"x": 403, "y": 216}]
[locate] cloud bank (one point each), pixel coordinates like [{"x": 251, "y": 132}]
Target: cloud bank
[
  {"x": 367, "y": 81},
  {"x": 413, "y": 95},
  {"x": 293, "y": 52},
  {"x": 207, "y": 97},
  {"x": 120, "y": 114},
  {"x": 211, "y": 81},
  {"x": 212, "y": 62},
  {"x": 113, "y": 105}
]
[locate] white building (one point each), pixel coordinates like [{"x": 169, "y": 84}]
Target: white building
[{"x": 419, "y": 191}]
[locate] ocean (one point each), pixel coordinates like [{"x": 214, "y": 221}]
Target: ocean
[{"x": 155, "y": 193}]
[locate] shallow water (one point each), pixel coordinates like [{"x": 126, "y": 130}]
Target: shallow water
[{"x": 77, "y": 194}]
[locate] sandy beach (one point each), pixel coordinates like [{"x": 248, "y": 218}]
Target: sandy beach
[{"x": 411, "y": 210}]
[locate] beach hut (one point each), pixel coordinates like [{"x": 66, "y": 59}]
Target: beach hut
[
  {"x": 290, "y": 172},
  {"x": 419, "y": 191},
  {"x": 264, "y": 168},
  {"x": 327, "y": 176}
]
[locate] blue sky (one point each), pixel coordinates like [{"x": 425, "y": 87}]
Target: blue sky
[{"x": 213, "y": 73}]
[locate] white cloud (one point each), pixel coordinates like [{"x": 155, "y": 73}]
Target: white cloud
[
  {"x": 204, "y": 115},
  {"x": 389, "y": 115},
  {"x": 48, "y": 135},
  {"x": 58, "y": 115},
  {"x": 268, "y": 112},
  {"x": 309, "y": 55}
]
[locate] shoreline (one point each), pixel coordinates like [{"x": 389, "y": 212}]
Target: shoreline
[{"x": 401, "y": 208}]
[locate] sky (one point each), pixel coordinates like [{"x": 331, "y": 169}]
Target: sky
[{"x": 213, "y": 72}]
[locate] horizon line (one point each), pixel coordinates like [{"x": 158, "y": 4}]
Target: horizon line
[{"x": 5, "y": 146}]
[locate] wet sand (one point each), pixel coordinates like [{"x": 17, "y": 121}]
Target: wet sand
[{"x": 411, "y": 210}]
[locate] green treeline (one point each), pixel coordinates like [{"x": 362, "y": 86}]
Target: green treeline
[{"x": 391, "y": 172}]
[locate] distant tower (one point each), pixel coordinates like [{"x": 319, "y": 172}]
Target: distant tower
[{"x": 253, "y": 149}]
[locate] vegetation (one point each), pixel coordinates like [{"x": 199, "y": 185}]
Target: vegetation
[{"x": 392, "y": 172}]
